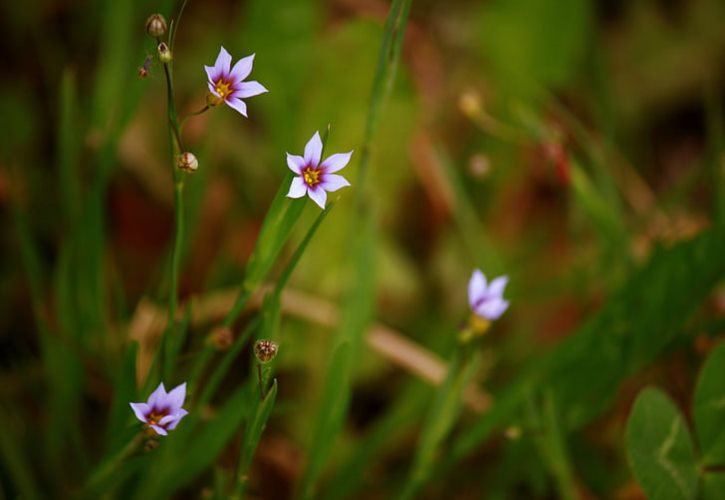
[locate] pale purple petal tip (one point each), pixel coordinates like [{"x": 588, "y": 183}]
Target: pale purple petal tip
[
  {"x": 495, "y": 289},
  {"x": 238, "y": 104},
  {"x": 295, "y": 163},
  {"x": 248, "y": 89},
  {"x": 158, "y": 397},
  {"x": 176, "y": 397},
  {"x": 313, "y": 150},
  {"x": 177, "y": 418},
  {"x": 476, "y": 287},
  {"x": 242, "y": 69},
  {"x": 318, "y": 195},
  {"x": 336, "y": 162},
  {"x": 334, "y": 182},
  {"x": 223, "y": 62},
  {"x": 297, "y": 188},
  {"x": 159, "y": 430},
  {"x": 141, "y": 410}
]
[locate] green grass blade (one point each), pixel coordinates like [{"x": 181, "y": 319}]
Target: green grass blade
[{"x": 252, "y": 435}]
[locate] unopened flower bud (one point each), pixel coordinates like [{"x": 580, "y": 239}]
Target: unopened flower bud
[
  {"x": 470, "y": 103},
  {"x": 187, "y": 162},
  {"x": 143, "y": 71},
  {"x": 164, "y": 53},
  {"x": 265, "y": 350},
  {"x": 221, "y": 337},
  {"x": 156, "y": 25}
]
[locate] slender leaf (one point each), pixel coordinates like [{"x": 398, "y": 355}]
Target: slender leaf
[{"x": 709, "y": 408}]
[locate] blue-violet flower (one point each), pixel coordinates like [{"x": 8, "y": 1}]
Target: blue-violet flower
[
  {"x": 226, "y": 84},
  {"x": 487, "y": 301},
  {"x": 316, "y": 178},
  {"x": 162, "y": 412}
]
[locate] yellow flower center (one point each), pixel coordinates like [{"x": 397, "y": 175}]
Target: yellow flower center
[
  {"x": 311, "y": 175},
  {"x": 222, "y": 88}
]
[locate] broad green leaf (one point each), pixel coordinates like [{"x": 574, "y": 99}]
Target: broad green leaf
[
  {"x": 660, "y": 448},
  {"x": 709, "y": 408}
]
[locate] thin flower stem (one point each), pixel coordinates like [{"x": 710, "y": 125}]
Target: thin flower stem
[
  {"x": 261, "y": 381},
  {"x": 177, "y": 147},
  {"x": 191, "y": 115}
]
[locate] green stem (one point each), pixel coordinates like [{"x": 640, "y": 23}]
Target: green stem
[
  {"x": 191, "y": 115},
  {"x": 177, "y": 147}
]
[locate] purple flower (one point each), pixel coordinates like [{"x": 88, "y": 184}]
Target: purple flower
[
  {"x": 226, "y": 84},
  {"x": 162, "y": 412},
  {"x": 487, "y": 301},
  {"x": 316, "y": 179}
]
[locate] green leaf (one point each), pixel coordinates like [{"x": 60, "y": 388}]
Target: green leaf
[
  {"x": 709, "y": 408},
  {"x": 252, "y": 435},
  {"x": 660, "y": 448}
]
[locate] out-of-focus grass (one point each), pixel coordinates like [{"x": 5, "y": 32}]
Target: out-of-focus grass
[{"x": 576, "y": 146}]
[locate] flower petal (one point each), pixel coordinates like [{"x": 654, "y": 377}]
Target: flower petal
[
  {"x": 178, "y": 416},
  {"x": 295, "y": 163},
  {"x": 242, "y": 69},
  {"x": 476, "y": 287},
  {"x": 248, "y": 89},
  {"x": 336, "y": 162},
  {"x": 167, "y": 419},
  {"x": 332, "y": 183},
  {"x": 492, "y": 309},
  {"x": 313, "y": 150},
  {"x": 237, "y": 104},
  {"x": 495, "y": 289},
  {"x": 159, "y": 430},
  {"x": 212, "y": 89},
  {"x": 223, "y": 63},
  {"x": 297, "y": 188},
  {"x": 141, "y": 410},
  {"x": 157, "y": 399},
  {"x": 318, "y": 195},
  {"x": 176, "y": 397},
  {"x": 213, "y": 74}
]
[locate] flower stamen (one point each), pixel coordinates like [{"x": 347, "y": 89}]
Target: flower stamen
[
  {"x": 311, "y": 175},
  {"x": 223, "y": 88}
]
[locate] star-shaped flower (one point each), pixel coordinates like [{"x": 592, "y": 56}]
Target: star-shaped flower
[
  {"x": 316, "y": 178},
  {"x": 226, "y": 84},
  {"x": 162, "y": 412},
  {"x": 487, "y": 301}
]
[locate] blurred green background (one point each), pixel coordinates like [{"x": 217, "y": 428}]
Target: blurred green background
[{"x": 574, "y": 145}]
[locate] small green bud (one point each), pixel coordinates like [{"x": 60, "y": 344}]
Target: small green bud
[
  {"x": 156, "y": 25},
  {"x": 265, "y": 350},
  {"x": 164, "y": 53},
  {"x": 187, "y": 162}
]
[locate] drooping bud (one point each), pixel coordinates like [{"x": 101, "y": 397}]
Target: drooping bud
[
  {"x": 156, "y": 25},
  {"x": 221, "y": 337},
  {"x": 187, "y": 162},
  {"x": 265, "y": 350},
  {"x": 164, "y": 53}
]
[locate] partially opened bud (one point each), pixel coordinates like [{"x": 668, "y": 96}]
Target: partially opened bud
[
  {"x": 156, "y": 25},
  {"x": 187, "y": 162},
  {"x": 164, "y": 53},
  {"x": 265, "y": 350}
]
